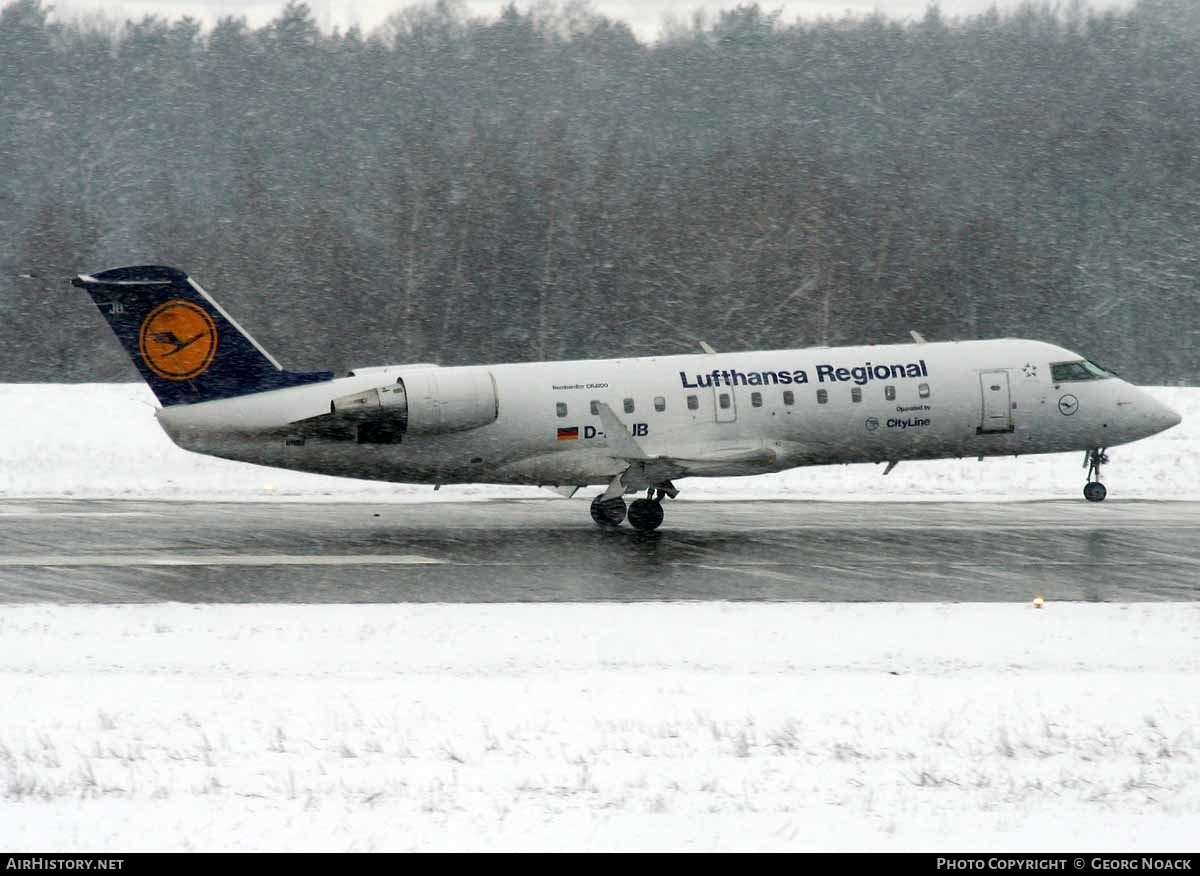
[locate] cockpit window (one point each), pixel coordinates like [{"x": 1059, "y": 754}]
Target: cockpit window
[{"x": 1062, "y": 372}]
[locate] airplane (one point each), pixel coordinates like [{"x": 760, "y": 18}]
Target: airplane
[{"x": 630, "y": 425}]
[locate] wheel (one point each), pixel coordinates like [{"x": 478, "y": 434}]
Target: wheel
[
  {"x": 1094, "y": 491},
  {"x": 645, "y": 515},
  {"x": 608, "y": 513}
]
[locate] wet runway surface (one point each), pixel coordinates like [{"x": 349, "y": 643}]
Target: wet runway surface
[{"x": 531, "y": 550}]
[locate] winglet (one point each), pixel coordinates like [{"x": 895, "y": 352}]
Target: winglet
[{"x": 620, "y": 442}]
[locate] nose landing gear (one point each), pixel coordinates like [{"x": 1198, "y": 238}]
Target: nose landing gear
[{"x": 1093, "y": 490}]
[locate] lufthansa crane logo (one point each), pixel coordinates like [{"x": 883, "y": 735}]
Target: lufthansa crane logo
[{"x": 178, "y": 340}]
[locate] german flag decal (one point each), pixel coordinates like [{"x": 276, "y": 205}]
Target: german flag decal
[{"x": 571, "y": 434}]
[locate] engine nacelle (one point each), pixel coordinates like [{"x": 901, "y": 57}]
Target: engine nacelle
[{"x": 428, "y": 402}]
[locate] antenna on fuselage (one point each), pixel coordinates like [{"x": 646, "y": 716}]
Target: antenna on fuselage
[
  {"x": 706, "y": 348},
  {"x": 917, "y": 336}
]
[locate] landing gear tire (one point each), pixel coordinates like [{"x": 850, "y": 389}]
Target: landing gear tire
[
  {"x": 608, "y": 513},
  {"x": 1093, "y": 490},
  {"x": 645, "y": 515}
]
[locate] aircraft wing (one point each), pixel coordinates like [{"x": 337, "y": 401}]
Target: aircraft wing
[
  {"x": 731, "y": 460},
  {"x": 723, "y": 458}
]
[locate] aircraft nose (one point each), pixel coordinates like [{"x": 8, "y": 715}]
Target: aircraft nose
[
  {"x": 1161, "y": 416},
  {"x": 1170, "y": 417}
]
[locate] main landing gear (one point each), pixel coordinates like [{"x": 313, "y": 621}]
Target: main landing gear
[
  {"x": 644, "y": 515},
  {"x": 1093, "y": 490},
  {"x": 608, "y": 512}
]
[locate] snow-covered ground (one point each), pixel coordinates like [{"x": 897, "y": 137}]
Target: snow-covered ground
[
  {"x": 101, "y": 441},
  {"x": 686, "y": 726}
]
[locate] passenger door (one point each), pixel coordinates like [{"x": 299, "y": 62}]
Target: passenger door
[{"x": 997, "y": 402}]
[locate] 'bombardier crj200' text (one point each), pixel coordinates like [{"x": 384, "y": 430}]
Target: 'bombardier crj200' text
[{"x": 632, "y": 425}]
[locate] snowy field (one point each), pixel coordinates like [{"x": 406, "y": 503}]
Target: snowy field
[
  {"x": 601, "y": 727},
  {"x": 101, "y": 441}
]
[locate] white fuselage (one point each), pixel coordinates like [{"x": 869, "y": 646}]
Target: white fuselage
[{"x": 720, "y": 414}]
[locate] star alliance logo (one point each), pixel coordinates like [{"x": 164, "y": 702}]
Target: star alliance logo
[{"x": 1030, "y": 370}]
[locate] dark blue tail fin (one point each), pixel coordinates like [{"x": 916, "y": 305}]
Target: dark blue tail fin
[{"x": 185, "y": 346}]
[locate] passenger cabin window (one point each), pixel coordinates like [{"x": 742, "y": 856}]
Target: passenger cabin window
[
  {"x": 822, "y": 396},
  {"x": 856, "y": 394},
  {"x": 889, "y": 393},
  {"x": 923, "y": 390},
  {"x": 756, "y": 399},
  {"x": 595, "y": 408},
  {"x": 629, "y": 406},
  {"x": 561, "y": 408},
  {"x": 660, "y": 403},
  {"x": 1065, "y": 372},
  {"x": 789, "y": 397},
  {"x": 724, "y": 401},
  {"x": 693, "y": 403}
]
